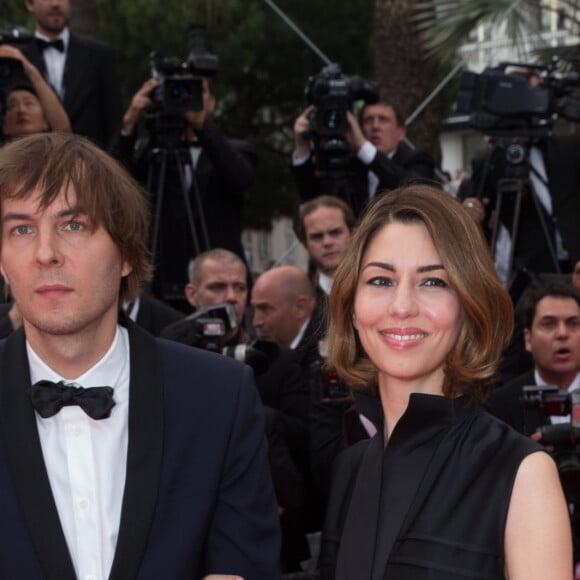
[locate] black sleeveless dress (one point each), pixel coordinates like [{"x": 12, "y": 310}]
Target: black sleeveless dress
[{"x": 432, "y": 504}]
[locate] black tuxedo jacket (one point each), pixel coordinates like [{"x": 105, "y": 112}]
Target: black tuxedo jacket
[
  {"x": 198, "y": 496},
  {"x": 404, "y": 167},
  {"x": 92, "y": 93}
]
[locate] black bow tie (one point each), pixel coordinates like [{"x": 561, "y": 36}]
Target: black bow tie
[
  {"x": 49, "y": 398},
  {"x": 56, "y": 43}
]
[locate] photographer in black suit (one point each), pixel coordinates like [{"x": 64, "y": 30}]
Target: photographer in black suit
[
  {"x": 380, "y": 159},
  {"x": 217, "y": 171}
]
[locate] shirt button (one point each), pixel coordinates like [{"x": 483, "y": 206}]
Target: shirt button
[{"x": 84, "y": 504}]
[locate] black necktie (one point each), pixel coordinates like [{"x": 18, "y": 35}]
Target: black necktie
[
  {"x": 49, "y": 398},
  {"x": 56, "y": 43}
]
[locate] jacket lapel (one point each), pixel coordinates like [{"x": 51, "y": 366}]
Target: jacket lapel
[
  {"x": 356, "y": 553},
  {"x": 144, "y": 454},
  {"x": 27, "y": 463}
]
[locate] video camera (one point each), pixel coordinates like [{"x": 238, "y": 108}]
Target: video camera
[
  {"x": 179, "y": 87},
  {"x": 211, "y": 324},
  {"x": 334, "y": 94},
  {"x": 500, "y": 103},
  {"x": 11, "y": 70},
  {"x": 540, "y": 404}
]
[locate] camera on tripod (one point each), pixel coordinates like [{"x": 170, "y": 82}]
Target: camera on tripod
[
  {"x": 334, "y": 94},
  {"x": 540, "y": 404},
  {"x": 500, "y": 102},
  {"x": 180, "y": 87}
]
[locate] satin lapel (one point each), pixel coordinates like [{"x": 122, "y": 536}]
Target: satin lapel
[
  {"x": 27, "y": 463},
  {"x": 74, "y": 73},
  {"x": 356, "y": 552},
  {"x": 144, "y": 455}
]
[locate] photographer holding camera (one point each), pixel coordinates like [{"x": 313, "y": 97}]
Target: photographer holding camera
[
  {"x": 377, "y": 157},
  {"x": 213, "y": 172},
  {"x": 29, "y": 105},
  {"x": 551, "y": 320}
]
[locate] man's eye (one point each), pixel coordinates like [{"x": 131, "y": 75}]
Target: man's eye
[
  {"x": 74, "y": 226},
  {"x": 21, "y": 230}
]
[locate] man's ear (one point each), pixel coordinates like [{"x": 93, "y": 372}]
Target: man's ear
[{"x": 191, "y": 294}]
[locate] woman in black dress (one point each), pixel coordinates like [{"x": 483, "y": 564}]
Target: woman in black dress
[{"x": 444, "y": 491}]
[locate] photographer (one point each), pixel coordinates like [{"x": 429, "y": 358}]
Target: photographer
[
  {"x": 379, "y": 158},
  {"x": 29, "y": 105},
  {"x": 217, "y": 172},
  {"x": 551, "y": 315}
]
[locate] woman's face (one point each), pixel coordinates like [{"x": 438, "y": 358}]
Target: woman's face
[
  {"x": 406, "y": 314},
  {"x": 24, "y": 115}
]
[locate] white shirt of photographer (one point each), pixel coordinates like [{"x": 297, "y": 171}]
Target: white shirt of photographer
[{"x": 86, "y": 461}]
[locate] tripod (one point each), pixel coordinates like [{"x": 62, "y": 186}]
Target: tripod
[
  {"x": 510, "y": 191},
  {"x": 171, "y": 152}
]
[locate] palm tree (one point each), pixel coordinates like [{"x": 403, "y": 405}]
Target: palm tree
[
  {"x": 446, "y": 24},
  {"x": 405, "y": 72}
]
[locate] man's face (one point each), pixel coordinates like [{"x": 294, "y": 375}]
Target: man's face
[
  {"x": 275, "y": 315},
  {"x": 554, "y": 339},
  {"x": 379, "y": 125},
  {"x": 220, "y": 282},
  {"x": 327, "y": 237},
  {"x": 51, "y": 15},
  {"x": 64, "y": 271}
]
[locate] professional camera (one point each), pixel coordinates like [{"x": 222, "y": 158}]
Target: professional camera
[
  {"x": 334, "y": 94},
  {"x": 498, "y": 102},
  {"x": 179, "y": 87},
  {"x": 210, "y": 325},
  {"x": 11, "y": 70},
  {"x": 325, "y": 381},
  {"x": 540, "y": 404},
  {"x": 543, "y": 404}
]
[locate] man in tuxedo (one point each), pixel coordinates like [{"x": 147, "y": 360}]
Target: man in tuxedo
[
  {"x": 80, "y": 70},
  {"x": 216, "y": 172},
  {"x": 380, "y": 158},
  {"x": 552, "y": 335},
  {"x": 162, "y": 473}
]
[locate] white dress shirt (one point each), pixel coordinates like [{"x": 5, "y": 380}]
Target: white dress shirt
[
  {"x": 86, "y": 461},
  {"x": 55, "y": 61}
]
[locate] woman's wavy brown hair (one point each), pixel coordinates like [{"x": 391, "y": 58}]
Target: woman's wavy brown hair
[{"x": 487, "y": 320}]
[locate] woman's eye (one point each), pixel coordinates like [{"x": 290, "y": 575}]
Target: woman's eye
[
  {"x": 438, "y": 282},
  {"x": 380, "y": 281}
]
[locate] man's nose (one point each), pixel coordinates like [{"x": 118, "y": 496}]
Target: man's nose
[{"x": 47, "y": 249}]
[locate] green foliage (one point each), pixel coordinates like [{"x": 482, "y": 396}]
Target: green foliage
[{"x": 263, "y": 66}]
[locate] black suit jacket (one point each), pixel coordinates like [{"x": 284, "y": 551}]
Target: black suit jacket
[
  {"x": 92, "y": 93},
  {"x": 198, "y": 497},
  {"x": 405, "y": 166}
]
